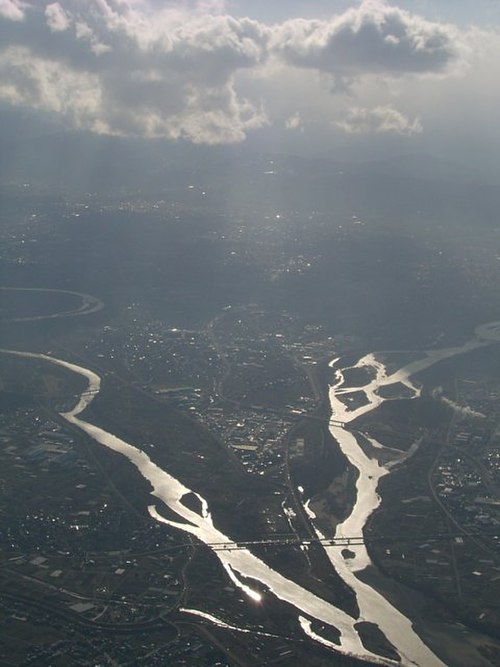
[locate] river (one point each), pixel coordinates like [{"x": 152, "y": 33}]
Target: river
[
  {"x": 240, "y": 564},
  {"x": 250, "y": 573},
  {"x": 373, "y": 606},
  {"x": 88, "y": 304}
]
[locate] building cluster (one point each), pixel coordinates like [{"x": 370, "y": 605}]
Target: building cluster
[
  {"x": 447, "y": 509},
  {"x": 244, "y": 377},
  {"x": 467, "y": 479}
]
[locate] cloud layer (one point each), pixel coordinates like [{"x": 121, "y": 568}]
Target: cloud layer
[
  {"x": 377, "y": 120},
  {"x": 124, "y": 67},
  {"x": 111, "y": 68}
]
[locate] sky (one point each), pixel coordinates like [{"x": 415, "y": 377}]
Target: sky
[{"x": 319, "y": 76}]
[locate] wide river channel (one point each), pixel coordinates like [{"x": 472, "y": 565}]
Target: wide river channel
[{"x": 249, "y": 572}]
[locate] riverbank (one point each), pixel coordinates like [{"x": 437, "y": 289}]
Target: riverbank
[
  {"x": 388, "y": 606},
  {"x": 455, "y": 643}
]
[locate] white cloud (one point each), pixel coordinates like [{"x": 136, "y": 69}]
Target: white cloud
[
  {"x": 179, "y": 69},
  {"x": 50, "y": 86},
  {"x": 377, "y": 120},
  {"x": 12, "y": 10},
  {"x": 374, "y": 38},
  {"x": 170, "y": 73},
  {"x": 294, "y": 122},
  {"x": 56, "y": 17}
]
